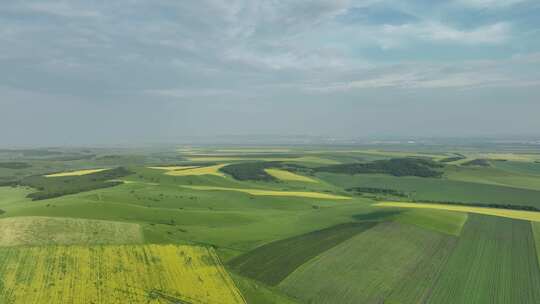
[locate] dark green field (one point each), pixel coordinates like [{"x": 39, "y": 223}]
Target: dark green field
[
  {"x": 296, "y": 248},
  {"x": 273, "y": 262}
]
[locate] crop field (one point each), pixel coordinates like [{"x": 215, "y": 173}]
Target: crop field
[
  {"x": 271, "y": 263},
  {"x": 514, "y": 214},
  {"x": 209, "y": 170},
  {"x": 173, "y": 168},
  {"x": 536, "y": 233},
  {"x": 270, "y": 225},
  {"x": 289, "y": 176},
  {"x": 372, "y": 266},
  {"x": 443, "y": 221},
  {"x": 439, "y": 189},
  {"x": 36, "y": 230},
  {"x": 519, "y": 167},
  {"x": 76, "y": 173},
  {"x": 494, "y": 262},
  {"x": 494, "y": 176},
  {"x": 303, "y": 159},
  {"x": 115, "y": 274},
  {"x": 256, "y": 292},
  {"x": 273, "y": 193}
]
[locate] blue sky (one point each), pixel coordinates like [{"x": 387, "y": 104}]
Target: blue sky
[{"x": 125, "y": 71}]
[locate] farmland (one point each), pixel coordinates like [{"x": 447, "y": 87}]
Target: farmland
[
  {"x": 369, "y": 267},
  {"x": 487, "y": 241},
  {"x": 269, "y": 225},
  {"x": 273, "y": 193},
  {"x": 35, "y": 230},
  {"x": 271, "y": 263},
  {"x": 515, "y": 214},
  {"x": 75, "y": 173},
  {"x": 270, "y": 152},
  {"x": 134, "y": 274},
  {"x": 289, "y": 176}
]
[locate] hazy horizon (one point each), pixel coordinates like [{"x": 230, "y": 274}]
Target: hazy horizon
[{"x": 129, "y": 72}]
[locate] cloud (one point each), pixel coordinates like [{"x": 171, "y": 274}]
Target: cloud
[
  {"x": 290, "y": 59},
  {"x": 435, "y": 32},
  {"x": 420, "y": 76},
  {"x": 487, "y": 4},
  {"x": 53, "y": 8},
  {"x": 192, "y": 93},
  {"x": 418, "y": 80},
  {"x": 219, "y": 47}
]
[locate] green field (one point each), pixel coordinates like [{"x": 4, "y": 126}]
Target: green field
[
  {"x": 536, "y": 233},
  {"x": 441, "y": 221},
  {"x": 494, "y": 262},
  {"x": 273, "y": 262},
  {"x": 372, "y": 266},
  {"x": 440, "y": 189},
  {"x": 299, "y": 225}
]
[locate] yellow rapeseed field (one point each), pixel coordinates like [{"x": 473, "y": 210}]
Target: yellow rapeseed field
[
  {"x": 115, "y": 274},
  {"x": 273, "y": 192},
  {"x": 209, "y": 170},
  {"x": 515, "y": 214},
  {"x": 173, "y": 168},
  {"x": 76, "y": 173},
  {"x": 289, "y": 176}
]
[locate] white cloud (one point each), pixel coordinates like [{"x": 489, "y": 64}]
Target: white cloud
[
  {"x": 289, "y": 59},
  {"x": 395, "y": 35},
  {"x": 418, "y": 76},
  {"x": 489, "y": 3}
]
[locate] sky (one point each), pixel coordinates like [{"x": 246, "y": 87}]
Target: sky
[{"x": 131, "y": 71}]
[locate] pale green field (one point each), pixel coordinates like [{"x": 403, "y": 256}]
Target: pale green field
[
  {"x": 77, "y": 173},
  {"x": 448, "y": 222},
  {"x": 289, "y": 176},
  {"x": 37, "y": 230},
  {"x": 273, "y": 192},
  {"x": 508, "y": 213},
  {"x": 303, "y": 159},
  {"x": 209, "y": 170}
]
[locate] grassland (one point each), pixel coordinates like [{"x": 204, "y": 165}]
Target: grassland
[
  {"x": 35, "y": 230},
  {"x": 232, "y": 221},
  {"x": 14, "y": 196},
  {"x": 273, "y": 262},
  {"x": 114, "y": 274},
  {"x": 285, "y": 175},
  {"x": 77, "y": 173},
  {"x": 514, "y": 214},
  {"x": 371, "y": 266},
  {"x": 494, "y": 262},
  {"x": 258, "y": 192}
]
